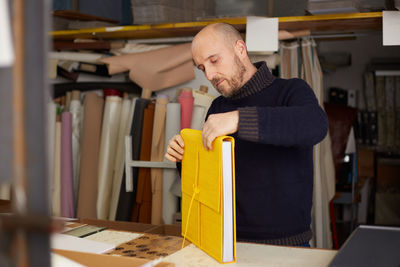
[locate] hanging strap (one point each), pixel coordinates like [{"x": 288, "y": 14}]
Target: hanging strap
[{"x": 196, "y": 191}]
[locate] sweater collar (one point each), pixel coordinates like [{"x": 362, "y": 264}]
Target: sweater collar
[{"x": 260, "y": 80}]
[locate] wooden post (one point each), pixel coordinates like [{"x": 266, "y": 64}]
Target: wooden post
[{"x": 19, "y": 143}]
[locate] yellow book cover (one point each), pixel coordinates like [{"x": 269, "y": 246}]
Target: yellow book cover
[{"x": 208, "y": 195}]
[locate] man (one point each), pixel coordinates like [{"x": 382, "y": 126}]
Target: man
[{"x": 275, "y": 123}]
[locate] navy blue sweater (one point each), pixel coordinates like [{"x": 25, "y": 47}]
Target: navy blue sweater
[{"x": 279, "y": 122}]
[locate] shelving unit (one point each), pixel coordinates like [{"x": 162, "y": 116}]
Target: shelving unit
[{"x": 319, "y": 23}]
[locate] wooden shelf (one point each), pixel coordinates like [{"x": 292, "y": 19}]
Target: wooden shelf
[
  {"x": 318, "y": 23},
  {"x": 333, "y": 22}
]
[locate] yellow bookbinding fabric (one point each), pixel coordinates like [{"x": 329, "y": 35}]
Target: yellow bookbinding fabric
[{"x": 202, "y": 214}]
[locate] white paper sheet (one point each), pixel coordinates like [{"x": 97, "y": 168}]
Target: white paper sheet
[
  {"x": 68, "y": 242},
  {"x": 391, "y": 27},
  {"x": 262, "y": 34}
]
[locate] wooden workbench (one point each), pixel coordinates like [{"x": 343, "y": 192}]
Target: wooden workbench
[
  {"x": 248, "y": 254},
  {"x": 255, "y": 255}
]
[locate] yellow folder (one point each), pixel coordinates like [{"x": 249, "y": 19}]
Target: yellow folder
[{"x": 208, "y": 195}]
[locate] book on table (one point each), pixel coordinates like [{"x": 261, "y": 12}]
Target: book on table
[{"x": 208, "y": 195}]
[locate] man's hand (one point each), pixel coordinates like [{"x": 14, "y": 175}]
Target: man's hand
[
  {"x": 175, "y": 149},
  {"x": 218, "y": 125}
]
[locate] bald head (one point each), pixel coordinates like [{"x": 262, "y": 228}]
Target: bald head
[
  {"x": 223, "y": 31},
  {"x": 220, "y": 52}
]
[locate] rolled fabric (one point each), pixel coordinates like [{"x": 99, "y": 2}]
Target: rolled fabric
[
  {"x": 76, "y": 56},
  {"x": 111, "y": 92},
  {"x": 128, "y": 188},
  {"x": 172, "y": 127},
  {"x": 125, "y": 122},
  {"x": 75, "y": 108},
  {"x": 89, "y": 160},
  {"x": 136, "y": 133},
  {"x": 157, "y": 154},
  {"x": 56, "y": 183},
  {"x": 198, "y": 117},
  {"x": 133, "y": 48},
  {"x": 51, "y": 135},
  {"x": 67, "y": 183},
  {"x": 68, "y": 96},
  {"x": 202, "y": 98},
  {"x": 142, "y": 208},
  {"x": 108, "y": 145},
  {"x": 186, "y": 100}
]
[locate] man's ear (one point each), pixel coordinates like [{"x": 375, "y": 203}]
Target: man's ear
[{"x": 240, "y": 48}]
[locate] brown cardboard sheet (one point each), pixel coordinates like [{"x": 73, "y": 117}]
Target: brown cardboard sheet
[
  {"x": 149, "y": 246},
  {"x": 157, "y": 69}
]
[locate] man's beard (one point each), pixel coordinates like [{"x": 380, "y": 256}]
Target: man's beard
[{"x": 235, "y": 83}]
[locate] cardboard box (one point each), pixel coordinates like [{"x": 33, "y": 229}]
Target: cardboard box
[{"x": 98, "y": 260}]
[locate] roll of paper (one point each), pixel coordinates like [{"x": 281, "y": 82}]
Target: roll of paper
[
  {"x": 157, "y": 154},
  {"x": 128, "y": 189},
  {"x": 142, "y": 208},
  {"x": 68, "y": 96},
  {"x": 186, "y": 100},
  {"x": 51, "y": 136},
  {"x": 198, "y": 117},
  {"x": 108, "y": 145},
  {"x": 89, "y": 161},
  {"x": 136, "y": 133},
  {"x": 75, "y": 108},
  {"x": 56, "y": 183},
  {"x": 120, "y": 190},
  {"x": 67, "y": 183},
  {"x": 125, "y": 121},
  {"x": 172, "y": 127},
  {"x": 111, "y": 92},
  {"x": 76, "y": 56},
  {"x": 202, "y": 99}
]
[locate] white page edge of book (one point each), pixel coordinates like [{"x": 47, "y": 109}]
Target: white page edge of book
[{"x": 228, "y": 243}]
